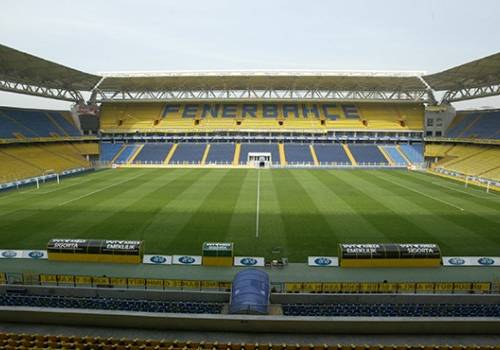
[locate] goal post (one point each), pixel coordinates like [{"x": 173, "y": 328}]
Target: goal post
[
  {"x": 47, "y": 174},
  {"x": 259, "y": 159}
]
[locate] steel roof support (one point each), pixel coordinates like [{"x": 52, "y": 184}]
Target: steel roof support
[
  {"x": 27, "y": 89},
  {"x": 471, "y": 93},
  {"x": 419, "y": 96}
]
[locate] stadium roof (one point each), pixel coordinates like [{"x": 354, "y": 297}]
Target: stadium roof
[
  {"x": 278, "y": 80},
  {"x": 485, "y": 71},
  {"x": 263, "y": 85},
  {"x": 479, "y": 78},
  {"x": 25, "y": 73}
]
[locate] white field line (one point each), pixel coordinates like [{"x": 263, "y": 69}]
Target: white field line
[
  {"x": 461, "y": 191},
  {"x": 258, "y": 206},
  {"x": 58, "y": 188},
  {"x": 471, "y": 189},
  {"x": 62, "y": 185},
  {"x": 99, "y": 190},
  {"x": 429, "y": 196}
]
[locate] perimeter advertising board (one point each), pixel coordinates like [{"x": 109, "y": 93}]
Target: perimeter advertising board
[
  {"x": 389, "y": 255},
  {"x": 93, "y": 250}
]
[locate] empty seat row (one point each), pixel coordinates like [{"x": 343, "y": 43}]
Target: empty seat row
[
  {"x": 98, "y": 303},
  {"x": 393, "y": 310},
  {"x": 226, "y": 153},
  {"x": 29, "y": 123},
  {"x": 20, "y": 341},
  {"x": 475, "y": 124}
]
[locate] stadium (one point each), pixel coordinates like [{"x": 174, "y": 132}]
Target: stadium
[{"x": 249, "y": 209}]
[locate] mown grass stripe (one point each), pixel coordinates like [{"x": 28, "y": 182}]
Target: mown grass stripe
[
  {"x": 272, "y": 228},
  {"x": 382, "y": 214},
  {"x": 212, "y": 218},
  {"x": 14, "y": 201},
  {"x": 488, "y": 212},
  {"x": 242, "y": 226},
  {"x": 131, "y": 220},
  {"x": 43, "y": 224},
  {"x": 306, "y": 230},
  {"x": 176, "y": 211},
  {"x": 345, "y": 221},
  {"x": 431, "y": 217}
]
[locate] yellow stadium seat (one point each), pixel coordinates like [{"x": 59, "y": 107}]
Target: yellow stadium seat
[
  {"x": 473, "y": 160},
  {"x": 24, "y": 161},
  {"x": 151, "y": 117}
]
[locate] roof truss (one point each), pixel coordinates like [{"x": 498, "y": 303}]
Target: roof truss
[
  {"x": 471, "y": 93},
  {"x": 261, "y": 95},
  {"x": 41, "y": 91}
]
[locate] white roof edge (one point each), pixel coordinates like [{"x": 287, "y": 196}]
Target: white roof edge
[{"x": 256, "y": 72}]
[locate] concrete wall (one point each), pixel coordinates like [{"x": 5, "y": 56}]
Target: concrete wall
[{"x": 250, "y": 324}]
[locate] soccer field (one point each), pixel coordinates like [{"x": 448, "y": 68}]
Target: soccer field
[{"x": 304, "y": 212}]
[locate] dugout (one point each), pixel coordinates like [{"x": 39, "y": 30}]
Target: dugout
[
  {"x": 93, "y": 250},
  {"x": 389, "y": 255},
  {"x": 217, "y": 254},
  {"x": 250, "y": 293}
]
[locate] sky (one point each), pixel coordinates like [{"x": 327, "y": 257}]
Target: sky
[{"x": 153, "y": 35}]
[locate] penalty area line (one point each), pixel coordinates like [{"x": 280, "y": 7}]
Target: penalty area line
[
  {"x": 429, "y": 196},
  {"x": 258, "y": 206}
]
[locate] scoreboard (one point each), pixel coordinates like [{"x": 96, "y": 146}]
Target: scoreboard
[
  {"x": 94, "y": 250},
  {"x": 389, "y": 255}
]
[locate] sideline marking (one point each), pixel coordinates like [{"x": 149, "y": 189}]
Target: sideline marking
[
  {"x": 258, "y": 206},
  {"x": 96, "y": 191},
  {"x": 461, "y": 191},
  {"x": 429, "y": 196},
  {"x": 62, "y": 185}
]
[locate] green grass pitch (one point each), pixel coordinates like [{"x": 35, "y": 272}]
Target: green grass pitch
[{"x": 305, "y": 212}]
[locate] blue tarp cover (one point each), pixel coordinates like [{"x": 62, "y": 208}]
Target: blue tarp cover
[{"x": 250, "y": 292}]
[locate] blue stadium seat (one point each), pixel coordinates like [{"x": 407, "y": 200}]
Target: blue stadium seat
[
  {"x": 394, "y": 154},
  {"x": 36, "y": 121},
  {"x": 126, "y": 154},
  {"x": 486, "y": 127},
  {"x": 298, "y": 154},
  {"x": 259, "y": 147},
  {"x": 190, "y": 153},
  {"x": 331, "y": 153},
  {"x": 476, "y": 124},
  {"x": 367, "y": 154},
  {"x": 153, "y": 153},
  {"x": 9, "y": 126},
  {"x": 109, "y": 151},
  {"x": 101, "y": 303},
  {"x": 414, "y": 152},
  {"x": 220, "y": 153},
  {"x": 69, "y": 128},
  {"x": 392, "y": 310},
  {"x": 458, "y": 128}
]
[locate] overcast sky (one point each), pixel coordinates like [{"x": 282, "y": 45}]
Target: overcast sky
[{"x": 145, "y": 35}]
